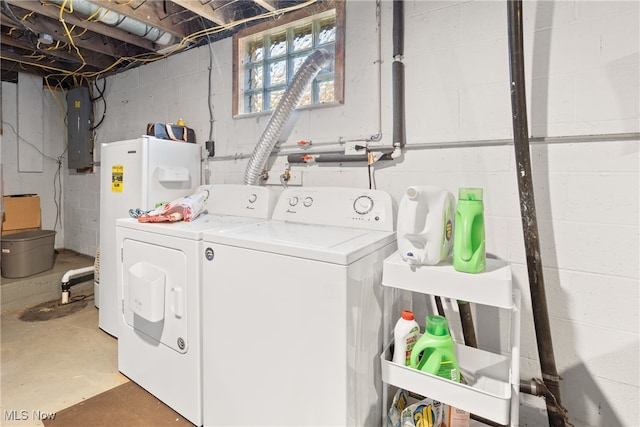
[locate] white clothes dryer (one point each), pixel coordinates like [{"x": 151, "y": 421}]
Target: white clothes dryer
[
  {"x": 292, "y": 330},
  {"x": 159, "y": 289}
]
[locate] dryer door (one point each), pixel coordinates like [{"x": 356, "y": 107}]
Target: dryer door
[{"x": 154, "y": 293}]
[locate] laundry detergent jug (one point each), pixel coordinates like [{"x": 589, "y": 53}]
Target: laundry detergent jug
[
  {"x": 469, "y": 254},
  {"x": 425, "y": 225},
  {"x": 434, "y": 352}
]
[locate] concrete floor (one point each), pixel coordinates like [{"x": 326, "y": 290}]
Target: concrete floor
[
  {"x": 41, "y": 287},
  {"x": 50, "y": 365}
]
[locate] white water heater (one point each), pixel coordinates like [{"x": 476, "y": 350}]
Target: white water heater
[{"x": 136, "y": 174}]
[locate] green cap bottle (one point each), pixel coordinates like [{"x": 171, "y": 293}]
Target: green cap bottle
[{"x": 469, "y": 253}]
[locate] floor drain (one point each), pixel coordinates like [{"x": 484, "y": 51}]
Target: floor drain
[{"x": 52, "y": 310}]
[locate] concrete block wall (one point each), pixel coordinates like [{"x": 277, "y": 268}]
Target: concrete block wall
[
  {"x": 82, "y": 204},
  {"x": 582, "y": 79},
  {"x": 29, "y": 162}
]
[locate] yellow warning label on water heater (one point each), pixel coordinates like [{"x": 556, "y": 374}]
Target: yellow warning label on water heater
[
  {"x": 117, "y": 175},
  {"x": 76, "y": 104}
]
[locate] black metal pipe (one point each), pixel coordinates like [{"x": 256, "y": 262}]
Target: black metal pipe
[
  {"x": 534, "y": 388},
  {"x": 340, "y": 158},
  {"x": 466, "y": 319},
  {"x": 439, "y": 306},
  {"x": 398, "y": 28},
  {"x": 326, "y": 158},
  {"x": 528, "y": 212},
  {"x": 397, "y": 75}
]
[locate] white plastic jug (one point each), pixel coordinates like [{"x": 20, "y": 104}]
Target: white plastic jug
[{"x": 425, "y": 225}]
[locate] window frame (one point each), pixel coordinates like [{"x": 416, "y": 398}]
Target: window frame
[{"x": 285, "y": 23}]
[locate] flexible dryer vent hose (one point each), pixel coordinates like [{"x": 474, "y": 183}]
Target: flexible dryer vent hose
[{"x": 289, "y": 101}]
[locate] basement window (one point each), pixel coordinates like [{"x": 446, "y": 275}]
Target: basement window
[{"x": 266, "y": 57}]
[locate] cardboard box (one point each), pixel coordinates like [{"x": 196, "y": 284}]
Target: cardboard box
[{"x": 21, "y": 213}]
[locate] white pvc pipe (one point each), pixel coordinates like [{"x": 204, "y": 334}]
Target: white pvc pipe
[
  {"x": 77, "y": 272},
  {"x": 66, "y": 293}
]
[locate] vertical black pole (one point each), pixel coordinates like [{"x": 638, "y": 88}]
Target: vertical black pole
[
  {"x": 528, "y": 213},
  {"x": 397, "y": 75},
  {"x": 466, "y": 319}
]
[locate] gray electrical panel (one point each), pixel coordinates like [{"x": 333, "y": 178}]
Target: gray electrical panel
[{"x": 80, "y": 152}]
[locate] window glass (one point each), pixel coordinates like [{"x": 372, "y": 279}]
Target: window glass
[
  {"x": 278, "y": 73},
  {"x": 254, "y": 102},
  {"x": 278, "y": 45},
  {"x": 327, "y": 33},
  {"x": 303, "y": 38},
  {"x": 256, "y": 78},
  {"x": 274, "y": 98},
  {"x": 256, "y": 51},
  {"x": 326, "y": 91},
  {"x": 271, "y": 56}
]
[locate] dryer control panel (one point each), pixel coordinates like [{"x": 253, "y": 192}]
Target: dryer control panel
[
  {"x": 337, "y": 206},
  {"x": 239, "y": 200}
]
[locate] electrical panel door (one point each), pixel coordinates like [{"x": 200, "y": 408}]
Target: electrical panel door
[{"x": 79, "y": 128}]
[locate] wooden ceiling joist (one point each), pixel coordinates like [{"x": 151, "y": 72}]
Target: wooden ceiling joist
[
  {"x": 97, "y": 61},
  {"x": 52, "y": 11},
  {"x": 83, "y": 47},
  {"x": 207, "y": 11}
]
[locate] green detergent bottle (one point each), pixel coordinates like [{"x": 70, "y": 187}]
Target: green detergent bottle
[
  {"x": 434, "y": 352},
  {"x": 469, "y": 254}
]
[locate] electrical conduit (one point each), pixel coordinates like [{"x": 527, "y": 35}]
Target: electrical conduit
[{"x": 289, "y": 101}]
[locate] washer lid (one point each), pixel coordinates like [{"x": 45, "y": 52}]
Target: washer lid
[
  {"x": 192, "y": 230},
  {"x": 336, "y": 245}
]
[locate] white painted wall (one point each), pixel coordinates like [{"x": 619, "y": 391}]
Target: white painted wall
[
  {"x": 29, "y": 163},
  {"x": 583, "y": 76}
]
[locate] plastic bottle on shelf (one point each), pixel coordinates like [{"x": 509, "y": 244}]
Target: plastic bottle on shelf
[
  {"x": 469, "y": 253},
  {"x": 434, "y": 352},
  {"x": 405, "y": 335},
  {"x": 425, "y": 225}
]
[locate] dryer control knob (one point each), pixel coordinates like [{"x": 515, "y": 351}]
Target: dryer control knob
[
  {"x": 293, "y": 201},
  {"x": 308, "y": 201},
  {"x": 253, "y": 198},
  {"x": 363, "y": 205}
]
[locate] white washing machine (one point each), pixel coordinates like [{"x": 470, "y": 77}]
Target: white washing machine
[
  {"x": 292, "y": 330},
  {"x": 159, "y": 289}
]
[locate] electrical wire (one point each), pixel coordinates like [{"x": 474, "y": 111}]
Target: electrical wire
[
  {"x": 187, "y": 42},
  {"x": 29, "y": 142},
  {"x": 57, "y": 195},
  {"x": 210, "y": 104},
  {"x": 99, "y": 97},
  {"x": 15, "y": 19}
]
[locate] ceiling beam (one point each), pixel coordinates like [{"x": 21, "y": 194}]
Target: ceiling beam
[
  {"x": 54, "y": 80},
  {"x": 89, "y": 40},
  {"x": 269, "y": 5},
  {"x": 48, "y": 66},
  {"x": 97, "y": 61},
  {"x": 208, "y": 11},
  {"x": 52, "y": 11}
]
